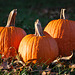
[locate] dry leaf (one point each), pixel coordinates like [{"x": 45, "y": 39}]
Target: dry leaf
[
  {"x": 5, "y": 65},
  {"x": 72, "y": 66},
  {"x": 39, "y": 67},
  {"x": 44, "y": 73},
  {"x": 1, "y": 67},
  {"x": 62, "y": 59},
  {"x": 19, "y": 62}
]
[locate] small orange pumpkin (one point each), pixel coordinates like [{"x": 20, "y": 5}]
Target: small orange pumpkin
[
  {"x": 38, "y": 47},
  {"x": 63, "y": 31},
  {"x": 10, "y": 36}
]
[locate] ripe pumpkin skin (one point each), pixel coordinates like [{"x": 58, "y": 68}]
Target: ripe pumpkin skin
[
  {"x": 63, "y": 31},
  {"x": 10, "y": 36},
  {"x": 36, "y": 47}
]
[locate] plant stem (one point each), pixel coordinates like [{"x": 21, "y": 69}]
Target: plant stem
[
  {"x": 62, "y": 14},
  {"x": 11, "y": 18},
  {"x": 38, "y": 28}
]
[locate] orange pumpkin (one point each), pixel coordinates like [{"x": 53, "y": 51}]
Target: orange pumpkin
[
  {"x": 63, "y": 31},
  {"x": 38, "y": 47},
  {"x": 10, "y": 36}
]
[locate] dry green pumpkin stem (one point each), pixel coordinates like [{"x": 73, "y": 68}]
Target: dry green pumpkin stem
[
  {"x": 11, "y": 18},
  {"x": 38, "y": 28},
  {"x": 62, "y": 14}
]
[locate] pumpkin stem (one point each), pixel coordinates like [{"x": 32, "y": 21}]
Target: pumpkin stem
[
  {"x": 11, "y": 18},
  {"x": 38, "y": 28},
  {"x": 62, "y": 14}
]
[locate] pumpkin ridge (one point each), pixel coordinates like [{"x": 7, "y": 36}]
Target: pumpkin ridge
[
  {"x": 11, "y": 37},
  {"x": 27, "y": 47},
  {"x": 44, "y": 39},
  {"x": 41, "y": 41},
  {"x": 36, "y": 43},
  {"x": 37, "y": 46},
  {"x": 50, "y": 48},
  {"x": 2, "y": 40},
  {"x": 54, "y": 25},
  {"x": 13, "y": 30},
  {"x": 1, "y": 30},
  {"x": 70, "y": 34},
  {"x": 34, "y": 47},
  {"x": 28, "y": 37},
  {"x": 60, "y": 23},
  {"x": 45, "y": 53},
  {"x": 2, "y": 47},
  {"x": 7, "y": 43}
]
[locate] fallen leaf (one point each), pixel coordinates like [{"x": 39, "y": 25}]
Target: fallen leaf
[
  {"x": 19, "y": 62},
  {"x": 1, "y": 67},
  {"x": 58, "y": 60},
  {"x": 72, "y": 66},
  {"x": 44, "y": 73},
  {"x": 5, "y": 65}
]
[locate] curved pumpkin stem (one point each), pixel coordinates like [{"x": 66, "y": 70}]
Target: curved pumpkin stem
[
  {"x": 11, "y": 18},
  {"x": 38, "y": 28},
  {"x": 62, "y": 14}
]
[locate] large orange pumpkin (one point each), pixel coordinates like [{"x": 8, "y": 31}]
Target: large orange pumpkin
[
  {"x": 38, "y": 47},
  {"x": 10, "y": 36},
  {"x": 63, "y": 31}
]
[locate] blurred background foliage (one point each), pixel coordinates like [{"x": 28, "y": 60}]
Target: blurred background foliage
[{"x": 30, "y": 10}]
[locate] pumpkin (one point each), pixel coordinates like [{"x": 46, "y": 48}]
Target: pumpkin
[
  {"x": 63, "y": 31},
  {"x": 10, "y": 36},
  {"x": 38, "y": 47}
]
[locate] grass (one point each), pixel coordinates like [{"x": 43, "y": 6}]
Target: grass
[{"x": 16, "y": 68}]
